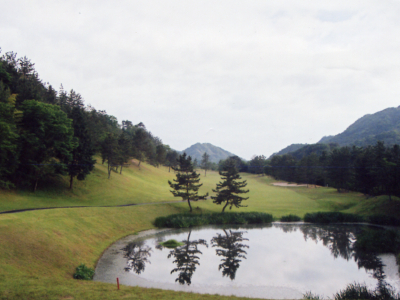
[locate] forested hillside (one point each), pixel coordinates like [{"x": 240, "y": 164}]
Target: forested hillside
[
  {"x": 45, "y": 133},
  {"x": 288, "y": 149},
  {"x": 381, "y": 126}
]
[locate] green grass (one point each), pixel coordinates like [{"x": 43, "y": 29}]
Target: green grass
[
  {"x": 149, "y": 184},
  {"x": 171, "y": 244},
  {"x": 40, "y": 250}
]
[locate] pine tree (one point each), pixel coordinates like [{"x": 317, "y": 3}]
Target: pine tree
[
  {"x": 205, "y": 162},
  {"x": 228, "y": 191},
  {"x": 187, "y": 181}
]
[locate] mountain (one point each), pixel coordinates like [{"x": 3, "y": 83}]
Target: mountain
[
  {"x": 381, "y": 126},
  {"x": 216, "y": 153},
  {"x": 291, "y": 148}
]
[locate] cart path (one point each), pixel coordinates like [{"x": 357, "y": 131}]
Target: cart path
[{"x": 56, "y": 207}]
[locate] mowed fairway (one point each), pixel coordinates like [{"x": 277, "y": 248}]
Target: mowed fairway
[{"x": 39, "y": 250}]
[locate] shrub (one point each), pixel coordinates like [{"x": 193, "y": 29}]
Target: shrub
[
  {"x": 191, "y": 220},
  {"x": 171, "y": 244},
  {"x": 383, "y": 220},
  {"x": 360, "y": 291},
  {"x": 83, "y": 272},
  {"x": 290, "y": 218},
  {"x": 332, "y": 217},
  {"x": 311, "y": 296}
]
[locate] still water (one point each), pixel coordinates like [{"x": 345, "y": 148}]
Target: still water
[{"x": 281, "y": 261}]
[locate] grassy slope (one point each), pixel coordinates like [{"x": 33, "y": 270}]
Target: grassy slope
[
  {"x": 149, "y": 184},
  {"x": 40, "y": 249}
]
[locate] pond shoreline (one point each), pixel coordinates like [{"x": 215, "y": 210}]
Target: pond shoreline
[{"x": 112, "y": 257}]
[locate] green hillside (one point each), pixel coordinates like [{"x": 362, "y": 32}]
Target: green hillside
[
  {"x": 381, "y": 126},
  {"x": 41, "y": 249},
  {"x": 216, "y": 153},
  {"x": 288, "y": 149}
]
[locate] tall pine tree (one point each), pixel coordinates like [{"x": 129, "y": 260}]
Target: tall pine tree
[
  {"x": 187, "y": 181},
  {"x": 229, "y": 190}
]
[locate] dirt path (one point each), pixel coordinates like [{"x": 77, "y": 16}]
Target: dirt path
[{"x": 121, "y": 205}]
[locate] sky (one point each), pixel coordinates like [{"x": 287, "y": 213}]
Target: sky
[{"x": 251, "y": 77}]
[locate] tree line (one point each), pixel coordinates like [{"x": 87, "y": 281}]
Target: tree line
[
  {"x": 372, "y": 170},
  {"x": 45, "y": 133}
]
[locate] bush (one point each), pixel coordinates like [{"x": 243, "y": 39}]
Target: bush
[
  {"x": 383, "y": 220},
  {"x": 171, "y": 244},
  {"x": 360, "y": 291},
  {"x": 83, "y": 272},
  {"x": 290, "y": 218},
  {"x": 332, "y": 217},
  {"x": 191, "y": 220},
  {"x": 311, "y": 296}
]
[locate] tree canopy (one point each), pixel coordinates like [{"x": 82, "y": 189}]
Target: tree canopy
[
  {"x": 228, "y": 190},
  {"x": 186, "y": 185}
]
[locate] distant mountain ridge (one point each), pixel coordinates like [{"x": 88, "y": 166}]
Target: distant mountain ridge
[
  {"x": 216, "y": 153},
  {"x": 288, "y": 149},
  {"x": 368, "y": 130},
  {"x": 381, "y": 126}
]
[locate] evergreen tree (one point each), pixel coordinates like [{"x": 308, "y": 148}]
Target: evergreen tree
[
  {"x": 109, "y": 151},
  {"x": 171, "y": 159},
  {"x": 46, "y": 141},
  {"x": 228, "y": 191},
  {"x": 187, "y": 181},
  {"x": 82, "y": 156},
  {"x": 205, "y": 162}
]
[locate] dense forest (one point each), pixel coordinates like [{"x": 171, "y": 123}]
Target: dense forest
[{"x": 45, "y": 133}]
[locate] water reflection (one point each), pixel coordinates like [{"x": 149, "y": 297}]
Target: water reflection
[
  {"x": 186, "y": 259},
  {"x": 137, "y": 254},
  {"x": 338, "y": 239},
  {"x": 231, "y": 249},
  {"x": 341, "y": 241}
]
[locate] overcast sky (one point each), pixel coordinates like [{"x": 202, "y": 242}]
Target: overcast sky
[{"x": 251, "y": 77}]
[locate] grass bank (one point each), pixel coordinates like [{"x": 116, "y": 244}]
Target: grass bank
[{"x": 39, "y": 250}]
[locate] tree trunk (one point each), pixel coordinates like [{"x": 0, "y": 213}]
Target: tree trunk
[
  {"x": 35, "y": 187},
  {"x": 71, "y": 181},
  {"x": 205, "y": 172},
  {"x": 120, "y": 172},
  {"x": 139, "y": 163},
  {"x": 109, "y": 169},
  {"x": 189, "y": 205},
  {"x": 227, "y": 202},
  {"x": 169, "y": 169}
]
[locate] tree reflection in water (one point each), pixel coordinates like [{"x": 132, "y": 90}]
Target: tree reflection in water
[
  {"x": 186, "y": 259},
  {"x": 232, "y": 251},
  {"x": 137, "y": 255},
  {"x": 341, "y": 241}
]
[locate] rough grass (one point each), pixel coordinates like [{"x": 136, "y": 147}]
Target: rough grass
[
  {"x": 39, "y": 250},
  {"x": 149, "y": 184}
]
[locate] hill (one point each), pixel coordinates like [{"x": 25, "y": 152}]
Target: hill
[
  {"x": 291, "y": 148},
  {"x": 381, "y": 126},
  {"x": 216, "y": 153},
  {"x": 367, "y": 130}
]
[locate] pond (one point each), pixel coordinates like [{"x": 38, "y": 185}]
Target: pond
[{"x": 275, "y": 261}]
